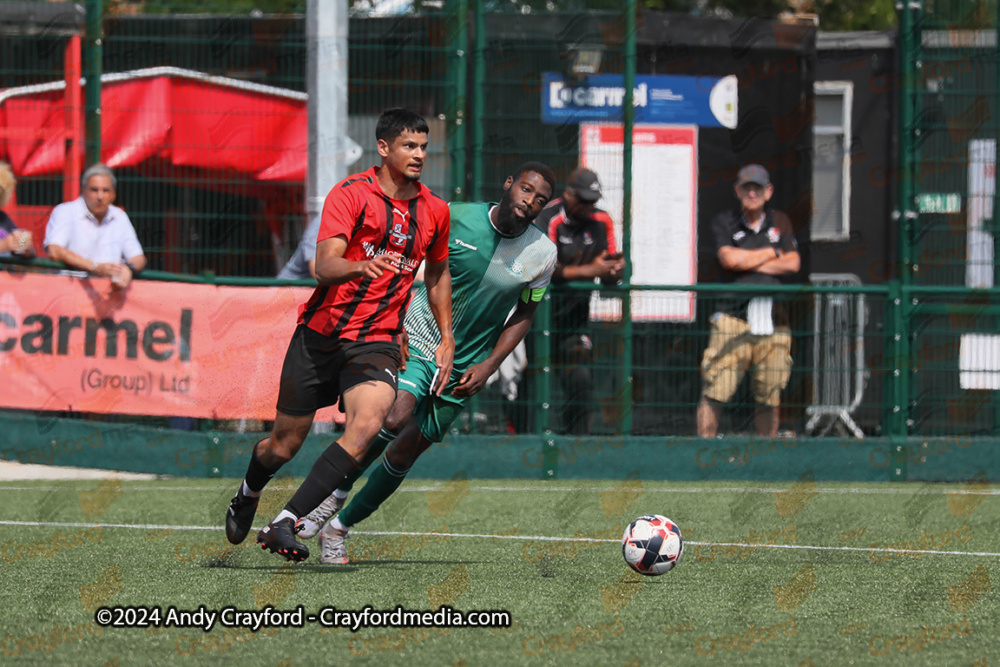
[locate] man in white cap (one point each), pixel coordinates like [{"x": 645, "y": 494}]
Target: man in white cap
[{"x": 754, "y": 246}]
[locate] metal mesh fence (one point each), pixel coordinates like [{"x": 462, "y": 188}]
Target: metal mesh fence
[
  {"x": 945, "y": 354},
  {"x": 953, "y": 92},
  {"x": 839, "y": 369},
  {"x": 947, "y": 359},
  {"x": 204, "y": 119},
  {"x": 515, "y": 50}
]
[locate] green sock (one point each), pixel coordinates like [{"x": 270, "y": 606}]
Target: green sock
[
  {"x": 383, "y": 481},
  {"x": 381, "y": 441}
]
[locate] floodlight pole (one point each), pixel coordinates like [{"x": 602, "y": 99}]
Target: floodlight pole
[{"x": 326, "y": 83}]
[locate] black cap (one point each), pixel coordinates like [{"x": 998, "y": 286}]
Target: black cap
[
  {"x": 585, "y": 185},
  {"x": 753, "y": 173}
]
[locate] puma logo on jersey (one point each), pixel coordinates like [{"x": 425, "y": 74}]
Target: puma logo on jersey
[
  {"x": 465, "y": 245},
  {"x": 403, "y": 214},
  {"x": 390, "y": 374}
]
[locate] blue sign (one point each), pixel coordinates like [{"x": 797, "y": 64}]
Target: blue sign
[{"x": 706, "y": 101}]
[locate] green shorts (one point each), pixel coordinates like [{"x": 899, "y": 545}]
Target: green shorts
[{"x": 435, "y": 414}]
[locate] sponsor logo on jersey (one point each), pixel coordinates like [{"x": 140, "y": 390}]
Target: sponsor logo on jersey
[
  {"x": 407, "y": 265},
  {"x": 465, "y": 245},
  {"x": 738, "y": 236}
]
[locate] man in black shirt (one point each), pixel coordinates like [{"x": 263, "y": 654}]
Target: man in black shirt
[
  {"x": 585, "y": 242},
  {"x": 754, "y": 246}
]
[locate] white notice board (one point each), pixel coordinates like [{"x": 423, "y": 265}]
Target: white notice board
[
  {"x": 664, "y": 213},
  {"x": 979, "y": 238}
]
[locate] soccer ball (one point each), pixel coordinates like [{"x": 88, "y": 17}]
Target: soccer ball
[{"x": 652, "y": 545}]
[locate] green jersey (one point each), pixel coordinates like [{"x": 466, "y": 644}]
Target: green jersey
[{"x": 489, "y": 273}]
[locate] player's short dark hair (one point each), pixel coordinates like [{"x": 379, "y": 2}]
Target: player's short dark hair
[
  {"x": 540, "y": 169},
  {"x": 393, "y": 122}
]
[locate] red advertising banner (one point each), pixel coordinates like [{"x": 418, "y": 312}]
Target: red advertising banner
[{"x": 168, "y": 349}]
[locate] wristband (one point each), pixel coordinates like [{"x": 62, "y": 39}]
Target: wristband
[
  {"x": 131, "y": 268},
  {"x": 776, "y": 253}
]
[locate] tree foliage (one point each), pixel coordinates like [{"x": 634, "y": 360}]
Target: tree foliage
[
  {"x": 837, "y": 15},
  {"x": 834, "y": 15}
]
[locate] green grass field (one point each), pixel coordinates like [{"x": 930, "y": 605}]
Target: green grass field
[{"x": 832, "y": 577}]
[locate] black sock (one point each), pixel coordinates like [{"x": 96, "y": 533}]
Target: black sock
[
  {"x": 330, "y": 470},
  {"x": 258, "y": 475},
  {"x": 381, "y": 441}
]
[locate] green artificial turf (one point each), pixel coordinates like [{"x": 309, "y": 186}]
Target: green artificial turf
[{"x": 739, "y": 596}]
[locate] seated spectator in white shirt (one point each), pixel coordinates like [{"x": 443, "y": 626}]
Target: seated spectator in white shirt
[
  {"x": 91, "y": 234},
  {"x": 302, "y": 263}
]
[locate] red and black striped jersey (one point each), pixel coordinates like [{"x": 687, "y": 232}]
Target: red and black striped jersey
[
  {"x": 578, "y": 242},
  {"x": 367, "y": 309}
]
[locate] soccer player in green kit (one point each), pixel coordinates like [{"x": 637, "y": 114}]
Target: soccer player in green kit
[{"x": 498, "y": 261}]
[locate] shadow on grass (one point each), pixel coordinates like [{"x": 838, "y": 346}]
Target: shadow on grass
[
  {"x": 382, "y": 563},
  {"x": 237, "y": 561}
]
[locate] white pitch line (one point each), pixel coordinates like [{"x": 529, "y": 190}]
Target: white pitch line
[
  {"x": 868, "y": 549},
  {"x": 922, "y": 490},
  {"x": 538, "y": 538},
  {"x": 220, "y": 489},
  {"x": 140, "y": 526},
  {"x": 530, "y": 538},
  {"x": 818, "y": 489}
]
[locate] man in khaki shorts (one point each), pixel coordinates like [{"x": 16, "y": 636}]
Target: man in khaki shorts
[{"x": 754, "y": 246}]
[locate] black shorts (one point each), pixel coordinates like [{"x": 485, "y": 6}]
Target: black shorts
[{"x": 318, "y": 369}]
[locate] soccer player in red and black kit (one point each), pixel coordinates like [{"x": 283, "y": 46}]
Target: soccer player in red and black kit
[{"x": 377, "y": 226}]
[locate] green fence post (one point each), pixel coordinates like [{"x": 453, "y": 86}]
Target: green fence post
[
  {"x": 92, "y": 70},
  {"x": 905, "y": 215},
  {"x": 458, "y": 21},
  {"x": 994, "y": 227},
  {"x": 478, "y": 98},
  {"x": 215, "y": 457},
  {"x": 628, "y": 107},
  {"x": 898, "y": 397},
  {"x": 542, "y": 332}
]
